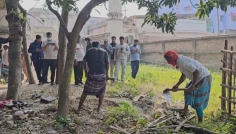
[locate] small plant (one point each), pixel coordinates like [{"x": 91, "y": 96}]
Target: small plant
[
  {"x": 133, "y": 91},
  {"x": 62, "y": 122},
  {"x": 100, "y": 132},
  {"x": 110, "y": 120},
  {"x": 124, "y": 110},
  {"x": 141, "y": 123},
  {"x": 78, "y": 121}
]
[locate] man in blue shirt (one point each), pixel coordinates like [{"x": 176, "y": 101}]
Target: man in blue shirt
[
  {"x": 35, "y": 49},
  {"x": 135, "y": 57}
]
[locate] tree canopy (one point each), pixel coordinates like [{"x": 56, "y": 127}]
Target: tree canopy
[{"x": 166, "y": 21}]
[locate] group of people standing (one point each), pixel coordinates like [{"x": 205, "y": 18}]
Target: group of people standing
[
  {"x": 117, "y": 54},
  {"x": 43, "y": 56}
]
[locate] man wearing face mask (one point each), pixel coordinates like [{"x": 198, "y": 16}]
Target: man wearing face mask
[
  {"x": 135, "y": 58},
  {"x": 50, "y": 48}
]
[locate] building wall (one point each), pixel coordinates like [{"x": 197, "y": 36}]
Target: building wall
[
  {"x": 227, "y": 19},
  {"x": 3, "y": 22},
  {"x": 182, "y": 25},
  {"x": 206, "y": 50}
]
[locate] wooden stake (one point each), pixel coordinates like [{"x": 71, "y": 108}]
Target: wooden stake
[
  {"x": 223, "y": 92},
  {"x": 230, "y": 81}
]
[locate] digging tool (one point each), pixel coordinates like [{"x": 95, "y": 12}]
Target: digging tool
[{"x": 166, "y": 93}]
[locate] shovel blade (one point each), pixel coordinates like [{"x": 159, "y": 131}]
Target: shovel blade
[{"x": 167, "y": 96}]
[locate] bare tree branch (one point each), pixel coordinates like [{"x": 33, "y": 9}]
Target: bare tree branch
[
  {"x": 49, "y": 4},
  {"x": 84, "y": 15},
  {"x": 36, "y": 18},
  {"x": 34, "y": 6}
]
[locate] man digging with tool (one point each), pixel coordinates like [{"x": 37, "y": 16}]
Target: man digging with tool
[{"x": 198, "y": 90}]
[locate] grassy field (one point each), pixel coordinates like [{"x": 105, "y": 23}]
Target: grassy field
[
  {"x": 159, "y": 78},
  {"x": 151, "y": 77}
]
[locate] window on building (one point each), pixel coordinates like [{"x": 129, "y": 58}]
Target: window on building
[
  {"x": 187, "y": 9},
  {"x": 233, "y": 18}
]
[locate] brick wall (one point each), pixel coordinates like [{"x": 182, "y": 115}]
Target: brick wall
[{"x": 204, "y": 49}]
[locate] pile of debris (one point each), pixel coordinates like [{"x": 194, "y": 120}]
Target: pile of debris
[{"x": 162, "y": 117}]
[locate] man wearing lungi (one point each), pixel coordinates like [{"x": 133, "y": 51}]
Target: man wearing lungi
[
  {"x": 97, "y": 61},
  {"x": 198, "y": 90}
]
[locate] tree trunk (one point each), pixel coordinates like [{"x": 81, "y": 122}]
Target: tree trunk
[
  {"x": 63, "y": 102},
  {"x": 62, "y": 46},
  {"x": 64, "y": 86},
  {"x": 24, "y": 43},
  {"x": 15, "y": 66}
]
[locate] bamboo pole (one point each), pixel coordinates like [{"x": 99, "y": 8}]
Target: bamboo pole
[
  {"x": 223, "y": 92},
  {"x": 230, "y": 81}
]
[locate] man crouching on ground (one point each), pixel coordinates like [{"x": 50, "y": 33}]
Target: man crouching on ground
[
  {"x": 97, "y": 60},
  {"x": 198, "y": 90}
]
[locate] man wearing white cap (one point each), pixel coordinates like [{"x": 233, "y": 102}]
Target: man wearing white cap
[{"x": 108, "y": 49}]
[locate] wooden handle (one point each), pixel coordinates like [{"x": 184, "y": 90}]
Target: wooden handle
[{"x": 179, "y": 89}]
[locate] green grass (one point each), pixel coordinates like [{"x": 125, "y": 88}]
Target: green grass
[
  {"x": 158, "y": 78},
  {"x": 152, "y": 77}
]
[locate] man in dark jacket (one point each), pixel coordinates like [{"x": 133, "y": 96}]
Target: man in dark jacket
[{"x": 35, "y": 49}]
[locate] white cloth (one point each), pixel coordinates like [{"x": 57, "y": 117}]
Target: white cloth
[
  {"x": 50, "y": 52},
  {"x": 188, "y": 65},
  {"x": 79, "y": 52},
  {"x": 126, "y": 51},
  {"x": 5, "y": 58}
]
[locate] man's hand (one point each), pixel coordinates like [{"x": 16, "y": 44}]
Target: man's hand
[
  {"x": 38, "y": 50},
  {"x": 175, "y": 88},
  {"x": 75, "y": 63}
]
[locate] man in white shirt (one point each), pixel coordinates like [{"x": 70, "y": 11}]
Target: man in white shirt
[
  {"x": 78, "y": 63},
  {"x": 198, "y": 90},
  {"x": 50, "y": 48},
  {"x": 122, "y": 52},
  {"x": 5, "y": 58}
]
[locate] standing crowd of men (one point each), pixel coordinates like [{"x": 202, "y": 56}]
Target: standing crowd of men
[{"x": 43, "y": 56}]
